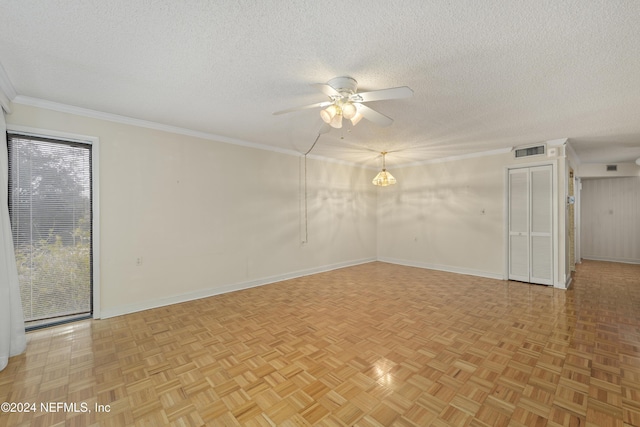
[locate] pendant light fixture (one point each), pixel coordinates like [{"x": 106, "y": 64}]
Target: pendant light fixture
[{"x": 384, "y": 178}]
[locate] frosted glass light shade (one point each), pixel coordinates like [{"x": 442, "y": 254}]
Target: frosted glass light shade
[
  {"x": 336, "y": 121},
  {"x": 383, "y": 179},
  {"x": 349, "y": 110},
  {"x": 356, "y": 119},
  {"x": 329, "y": 113}
]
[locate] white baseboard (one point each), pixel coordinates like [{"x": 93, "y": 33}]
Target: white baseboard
[
  {"x": 568, "y": 282},
  {"x": 623, "y": 260},
  {"x": 447, "y": 268},
  {"x": 106, "y": 313}
]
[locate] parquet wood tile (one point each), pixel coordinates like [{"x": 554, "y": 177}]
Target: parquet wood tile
[{"x": 370, "y": 345}]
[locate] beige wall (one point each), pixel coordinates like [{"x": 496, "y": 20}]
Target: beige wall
[
  {"x": 451, "y": 215},
  {"x": 208, "y": 217},
  {"x": 446, "y": 215}
]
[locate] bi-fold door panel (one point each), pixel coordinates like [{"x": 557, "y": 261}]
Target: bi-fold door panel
[
  {"x": 519, "y": 225},
  {"x": 541, "y": 225}
]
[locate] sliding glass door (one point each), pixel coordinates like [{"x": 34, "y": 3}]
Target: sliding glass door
[{"x": 50, "y": 204}]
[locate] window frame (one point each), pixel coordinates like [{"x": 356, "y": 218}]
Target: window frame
[{"x": 94, "y": 142}]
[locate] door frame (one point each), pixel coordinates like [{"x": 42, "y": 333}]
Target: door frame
[{"x": 95, "y": 202}]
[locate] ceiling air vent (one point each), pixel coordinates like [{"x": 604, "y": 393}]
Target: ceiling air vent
[
  {"x": 612, "y": 168},
  {"x": 530, "y": 151}
]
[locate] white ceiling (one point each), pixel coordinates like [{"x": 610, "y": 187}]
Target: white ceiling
[{"x": 485, "y": 74}]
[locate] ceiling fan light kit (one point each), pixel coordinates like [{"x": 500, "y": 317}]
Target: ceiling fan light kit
[{"x": 346, "y": 102}]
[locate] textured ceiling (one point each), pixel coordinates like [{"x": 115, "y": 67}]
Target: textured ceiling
[{"x": 485, "y": 75}]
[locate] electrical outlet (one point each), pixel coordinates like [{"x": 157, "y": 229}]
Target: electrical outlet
[{"x": 139, "y": 261}]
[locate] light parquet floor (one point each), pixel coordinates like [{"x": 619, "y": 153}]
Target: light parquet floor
[{"x": 370, "y": 345}]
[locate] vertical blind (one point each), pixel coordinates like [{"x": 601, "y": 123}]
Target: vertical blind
[{"x": 50, "y": 211}]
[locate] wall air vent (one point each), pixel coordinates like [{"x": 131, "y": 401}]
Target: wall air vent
[
  {"x": 612, "y": 168},
  {"x": 529, "y": 151}
]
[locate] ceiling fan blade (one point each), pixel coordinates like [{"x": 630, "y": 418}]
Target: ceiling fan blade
[
  {"x": 373, "y": 116},
  {"x": 305, "y": 107},
  {"x": 379, "y": 95},
  {"x": 326, "y": 89}
]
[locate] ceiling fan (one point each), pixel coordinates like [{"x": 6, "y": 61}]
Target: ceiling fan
[{"x": 345, "y": 102}]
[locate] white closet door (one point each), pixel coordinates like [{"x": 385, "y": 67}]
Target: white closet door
[
  {"x": 541, "y": 223},
  {"x": 519, "y": 224},
  {"x": 530, "y": 225}
]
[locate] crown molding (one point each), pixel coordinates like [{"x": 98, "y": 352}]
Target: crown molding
[
  {"x": 557, "y": 142},
  {"x": 5, "y": 104},
  {"x": 460, "y": 157},
  {"x": 338, "y": 161},
  {"x": 5, "y": 84},
  {"x": 552, "y": 143},
  {"x": 7, "y": 92},
  {"x": 572, "y": 153},
  {"x": 116, "y": 118}
]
